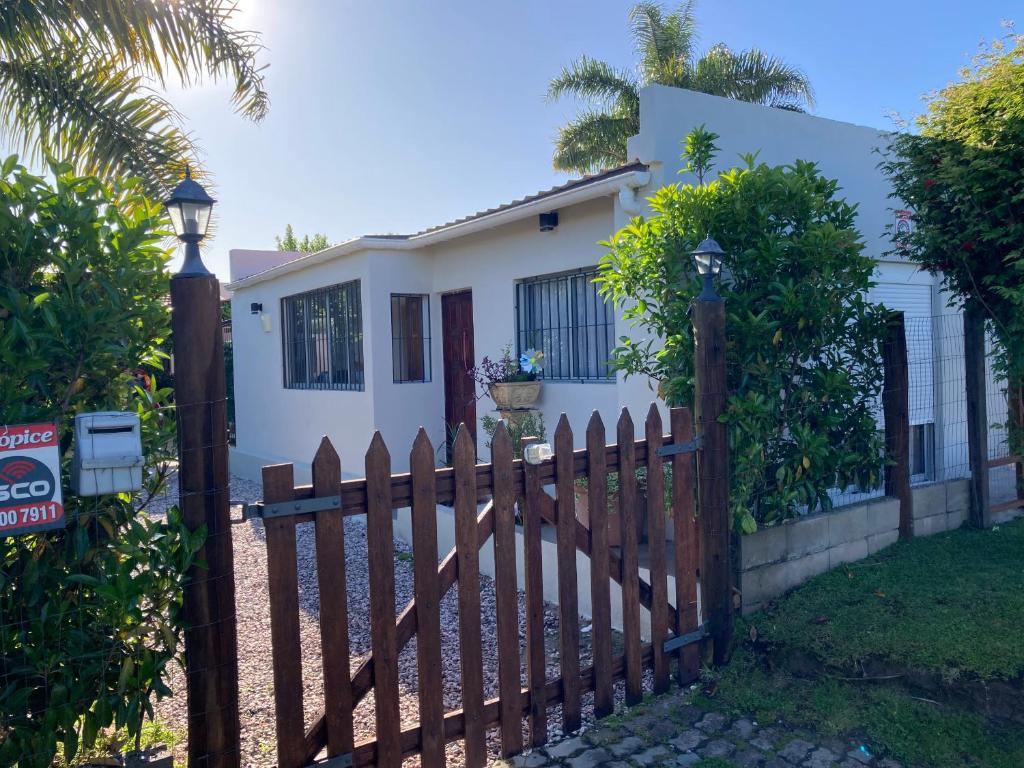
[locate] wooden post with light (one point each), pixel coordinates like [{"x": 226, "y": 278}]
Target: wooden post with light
[
  {"x": 211, "y": 659},
  {"x": 716, "y": 571}
]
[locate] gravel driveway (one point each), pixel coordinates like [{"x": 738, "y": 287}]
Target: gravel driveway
[{"x": 255, "y": 672}]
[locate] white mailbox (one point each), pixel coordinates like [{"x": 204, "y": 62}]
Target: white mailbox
[{"x": 108, "y": 454}]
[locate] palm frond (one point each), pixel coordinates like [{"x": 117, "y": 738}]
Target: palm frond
[
  {"x": 663, "y": 42},
  {"x": 594, "y": 140},
  {"x": 103, "y": 121},
  {"x": 752, "y": 76},
  {"x": 597, "y": 82},
  {"x": 190, "y": 38}
]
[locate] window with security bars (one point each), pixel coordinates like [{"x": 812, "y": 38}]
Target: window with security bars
[
  {"x": 564, "y": 316},
  {"x": 410, "y": 337},
  {"x": 322, "y": 332}
]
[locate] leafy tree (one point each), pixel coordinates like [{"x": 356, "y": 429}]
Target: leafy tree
[
  {"x": 804, "y": 370},
  {"x": 90, "y": 616},
  {"x": 666, "y": 45},
  {"x": 962, "y": 176},
  {"x": 307, "y": 244},
  {"x": 74, "y": 79}
]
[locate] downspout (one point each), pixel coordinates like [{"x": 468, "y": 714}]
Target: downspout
[{"x": 628, "y": 200}]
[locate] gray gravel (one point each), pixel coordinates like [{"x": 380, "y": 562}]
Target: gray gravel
[{"x": 255, "y": 673}]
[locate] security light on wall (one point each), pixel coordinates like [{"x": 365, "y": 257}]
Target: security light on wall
[{"x": 547, "y": 221}]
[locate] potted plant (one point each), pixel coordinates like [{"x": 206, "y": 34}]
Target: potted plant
[{"x": 512, "y": 384}]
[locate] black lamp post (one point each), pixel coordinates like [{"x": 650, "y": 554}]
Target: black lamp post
[
  {"x": 189, "y": 208},
  {"x": 708, "y": 258}
]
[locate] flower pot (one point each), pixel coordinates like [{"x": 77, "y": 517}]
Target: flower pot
[{"x": 514, "y": 395}]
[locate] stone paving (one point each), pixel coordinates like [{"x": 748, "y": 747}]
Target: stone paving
[{"x": 668, "y": 731}]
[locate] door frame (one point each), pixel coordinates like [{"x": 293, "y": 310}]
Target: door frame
[{"x": 451, "y": 411}]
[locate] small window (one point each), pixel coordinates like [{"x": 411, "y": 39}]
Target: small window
[
  {"x": 410, "y": 337},
  {"x": 322, "y": 332},
  {"x": 566, "y": 317},
  {"x": 922, "y": 452}
]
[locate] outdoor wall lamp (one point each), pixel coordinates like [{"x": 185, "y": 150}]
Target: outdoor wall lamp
[
  {"x": 189, "y": 208},
  {"x": 708, "y": 258}
]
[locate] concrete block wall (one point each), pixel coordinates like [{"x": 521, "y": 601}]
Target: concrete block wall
[
  {"x": 941, "y": 506},
  {"x": 778, "y": 559}
]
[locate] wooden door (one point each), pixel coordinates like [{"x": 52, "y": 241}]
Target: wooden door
[{"x": 459, "y": 359}]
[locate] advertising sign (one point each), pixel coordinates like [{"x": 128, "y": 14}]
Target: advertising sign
[{"x": 30, "y": 498}]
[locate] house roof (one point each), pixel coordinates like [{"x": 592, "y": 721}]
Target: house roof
[{"x": 588, "y": 187}]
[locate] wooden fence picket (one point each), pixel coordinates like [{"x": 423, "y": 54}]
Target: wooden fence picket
[
  {"x": 628, "y": 513},
  {"x": 685, "y": 541},
  {"x": 467, "y": 547},
  {"x": 534, "y": 582},
  {"x": 428, "y": 602},
  {"x": 506, "y": 594},
  {"x": 333, "y": 588},
  {"x": 285, "y": 642},
  {"x": 380, "y": 544},
  {"x": 600, "y": 597},
  {"x": 568, "y": 610},
  {"x": 656, "y": 548}
]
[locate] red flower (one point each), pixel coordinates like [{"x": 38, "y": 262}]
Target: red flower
[
  {"x": 929, "y": 183},
  {"x": 967, "y": 246}
]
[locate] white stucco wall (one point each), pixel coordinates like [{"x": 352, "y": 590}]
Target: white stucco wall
[
  {"x": 842, "y": 151},
  {"x": 490, "y": 264},
  {"x": 275, "y": 424}
]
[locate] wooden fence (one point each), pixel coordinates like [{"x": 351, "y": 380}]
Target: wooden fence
[{"x": 503, "y": 487}]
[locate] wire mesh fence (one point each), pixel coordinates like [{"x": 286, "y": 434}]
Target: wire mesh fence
[{"x": 936, "y": 400}]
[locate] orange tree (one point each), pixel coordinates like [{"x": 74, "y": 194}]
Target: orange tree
[
  {"x": 90, "y": 615},
  {"x": 804, "y": 369},
  {"x": 961, "y": 174}
]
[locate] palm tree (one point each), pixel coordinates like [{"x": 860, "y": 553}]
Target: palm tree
[
  {"x": 665, "y": 43},
  {"x": 78, "y": 79}
]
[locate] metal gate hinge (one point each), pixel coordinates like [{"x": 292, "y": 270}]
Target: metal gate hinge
[
  {"x": 286, "y": 508},
  {"x": 675, "y": 643},
  {"x": 673, "y": 448}
]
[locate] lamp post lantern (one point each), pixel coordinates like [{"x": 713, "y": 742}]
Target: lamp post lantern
[
  {"x": 200, "y": 394},
  {"x": 189, "y": 207},
  {"x": 708, "y": 258},
  {"x": 713, "y": 457}
]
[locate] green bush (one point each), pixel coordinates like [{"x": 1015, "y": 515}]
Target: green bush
[
  {"x": 90, "y": 616},
  {"x": 961, "y": 176},
  {"x": 804, "y": 369}
]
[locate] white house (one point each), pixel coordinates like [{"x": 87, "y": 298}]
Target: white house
[{"x": 376, "y": 333}]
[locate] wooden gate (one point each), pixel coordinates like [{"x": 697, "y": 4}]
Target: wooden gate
[{"x": 506, "y": 487}]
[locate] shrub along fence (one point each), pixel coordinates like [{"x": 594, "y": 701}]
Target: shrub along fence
[
  {"x": 944, "y": 411},
  {"x": 486, "y": 499}
]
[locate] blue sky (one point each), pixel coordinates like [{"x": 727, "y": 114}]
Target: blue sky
[{"x": 392, "y": 115}]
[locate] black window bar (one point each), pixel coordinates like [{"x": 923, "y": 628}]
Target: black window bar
[
  {"x": 410, "y": 338},
  {"x": 322, "y": 332},
  {"x": 566, "y": 317}
]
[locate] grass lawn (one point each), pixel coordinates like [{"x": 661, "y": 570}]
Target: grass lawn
[{"x": 951, "y": 604}]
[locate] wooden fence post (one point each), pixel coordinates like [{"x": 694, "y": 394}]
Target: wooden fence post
[
  {"x": 211, "y": 652},
  {"x": 716, "y": 572},
  {"x": 977, "y": 412},
  {"x": 896, "y": 408}
]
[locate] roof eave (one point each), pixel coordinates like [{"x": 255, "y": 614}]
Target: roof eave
[{"x": 572, "y": 196}]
